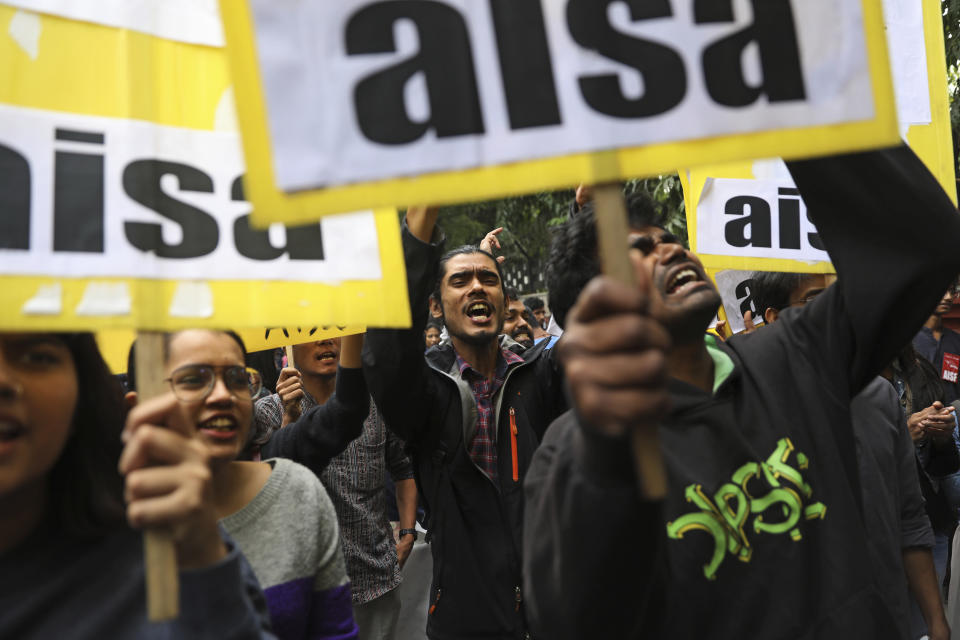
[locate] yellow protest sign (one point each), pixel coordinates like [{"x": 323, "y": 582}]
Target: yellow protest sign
[
  {"x": 402, "y": 103},
  {"x": 115, "y": 343},
  {"x": 748, "y": 216},
  {"x": 114, "y": 346},
  {"x": 274, "y": 337},
  {"x": 932, "y": 139},
  {"x": 123, "y": 190}
]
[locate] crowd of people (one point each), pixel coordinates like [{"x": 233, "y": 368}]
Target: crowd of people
[{"x": 812, "y": 462}]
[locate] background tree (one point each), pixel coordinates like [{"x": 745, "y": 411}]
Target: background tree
[
  {"x": 951, "y": 38},
  {"x": 528, "y": 221}
]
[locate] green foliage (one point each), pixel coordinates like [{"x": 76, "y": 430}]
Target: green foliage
[
  {"x": 527, "y": 222},
  {"x": 951, "y": 39},
  {"x": 666, "y": 191}
]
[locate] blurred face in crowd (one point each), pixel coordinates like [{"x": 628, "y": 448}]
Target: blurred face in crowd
[
  {"x": 318, "y": 358},
  {"x": 431, "y": 336},
  {"x": 808, "y": 289},
  {"x": 224, "y": 417},
  {"x": 517, "y": 323},
  {"x": 38, "y": 397},
  {"x": 945, "y": 304},
  {"x": 682, "y": 298},
  {"x": 540, "y": 315},
  {"x": 472, "y": 298}
]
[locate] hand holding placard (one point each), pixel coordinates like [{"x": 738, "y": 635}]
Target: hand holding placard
[
  {"x": 290, "y": 390},
  {"x": 169, "y": 491},
  {"x": 611, "y": 236},
  {"x": 160, "y": 560}
]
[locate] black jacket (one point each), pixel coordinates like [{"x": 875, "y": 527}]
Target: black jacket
[
  {"x": 475, "y": 525},
  {"x": 324, "y": 431},
  {"x": 761, "y": 534}
]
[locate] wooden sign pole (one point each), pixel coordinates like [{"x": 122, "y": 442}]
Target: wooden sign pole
[
  {"x": 289, "y": 351},
  {"x": 612, "y": 235},
  {"x": 160, "y": 559}
]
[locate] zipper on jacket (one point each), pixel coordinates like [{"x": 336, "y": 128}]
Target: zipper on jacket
[
  {"x": 517, "y": 596},
  {"x": 513, "y": 445},
  {"x": 436, "y": 601}
]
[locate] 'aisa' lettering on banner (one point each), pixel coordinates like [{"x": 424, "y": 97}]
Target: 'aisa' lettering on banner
[
  {"x": 756, "y": 219},
  {"x": 98, "y": 197},
  {"x": 384, "y": 89},
  {"x": 736, "y": 292}
]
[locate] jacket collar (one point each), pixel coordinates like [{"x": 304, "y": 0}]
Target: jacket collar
[{"x": 442, "y": 357}]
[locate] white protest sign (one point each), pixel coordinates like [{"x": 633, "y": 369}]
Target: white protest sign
[
  {"x": 756, "y": 219},
  {"x": 123, "y": 197},
  {"x": 342, "y": 100},
  {"x": 135, "y": 199},
  {"x": 735, "y": 289},
  {"x": 192, "y": 21},
  {"x": 745, "y": 215},
  {"x": 422, "y": 87},
  {"x": 908, "y": 60}
]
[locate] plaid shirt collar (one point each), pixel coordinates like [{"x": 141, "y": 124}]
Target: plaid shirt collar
[{"x": 504, "y": 359}]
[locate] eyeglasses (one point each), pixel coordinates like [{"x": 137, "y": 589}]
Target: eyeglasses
[{"x": 194, "y": 382}]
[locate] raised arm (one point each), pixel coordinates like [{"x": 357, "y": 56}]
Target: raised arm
[
  {"x": 393, "y": 362},
  {"x": 892, "y": 234},
  {"x": 324, "y": 431}
]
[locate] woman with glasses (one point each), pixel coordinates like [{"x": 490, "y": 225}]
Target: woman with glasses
[
  {"x": 277, "y": 511},
  {"x": 71, "y": 555}
]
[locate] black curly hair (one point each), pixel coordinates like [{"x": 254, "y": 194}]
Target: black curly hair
[
  {"x": 573, "y": 259},
  {"x": 772, "y": 289}
]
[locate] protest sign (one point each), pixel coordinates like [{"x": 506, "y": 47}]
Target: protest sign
[
  {"x": 123, "y": 196},
  {"x": 123, "y": 205},
  {"x": 735, "y": 289},
  {"x": 115, "y": 344},
  {"x": 448, "y": 101},
  {"x": 755, "y": 224},
  {"x": 191, "y": 21},
  {"x": 749, "y": 215}
]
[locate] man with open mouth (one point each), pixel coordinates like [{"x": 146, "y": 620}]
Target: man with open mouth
[
  {"x": 761, "y": 532},
  {"x": 473, "y": 409}
]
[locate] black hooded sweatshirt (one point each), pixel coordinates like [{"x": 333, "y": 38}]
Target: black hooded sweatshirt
[{"x": 761, "y": 534}]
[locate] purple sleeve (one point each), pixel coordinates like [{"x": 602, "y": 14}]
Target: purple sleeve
[{"x": 331, "y": 615}]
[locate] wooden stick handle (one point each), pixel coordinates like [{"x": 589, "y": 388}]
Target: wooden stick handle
[
  {"x": 289, "y": 351},
  {"x": 163, "y": 580},
  {"x": 612, "y": 232},
  {"x": 159, "y": 553}
]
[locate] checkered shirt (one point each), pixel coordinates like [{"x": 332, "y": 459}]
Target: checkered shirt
[{"x": 483, "y": 446}]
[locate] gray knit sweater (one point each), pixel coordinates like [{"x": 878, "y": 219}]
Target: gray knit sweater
[{"x": 289, "y": 534}]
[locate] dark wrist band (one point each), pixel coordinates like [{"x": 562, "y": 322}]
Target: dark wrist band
[{"x": 412, "y": 532}]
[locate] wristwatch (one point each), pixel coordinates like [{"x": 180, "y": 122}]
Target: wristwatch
[{"x": 404, "y": 532}]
